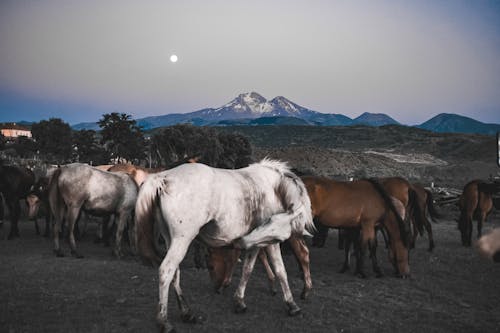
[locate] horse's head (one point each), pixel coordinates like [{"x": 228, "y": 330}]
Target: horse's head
[
  {"x": 33, "y": 202},
  {"x": 220, "y": 264}
]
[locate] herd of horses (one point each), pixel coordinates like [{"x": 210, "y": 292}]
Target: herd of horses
[{"x": 252, "y": 209}]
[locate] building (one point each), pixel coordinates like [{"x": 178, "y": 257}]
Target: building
[{"x": 14, "y": 131}]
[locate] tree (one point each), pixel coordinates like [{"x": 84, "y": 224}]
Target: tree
[
  {"x": 87, "y": 148},
  {"x": 236, "y": 151},
  {"x": 176, "y": 143},
  {"x": 25, "y": 147},
  {"x": 121, "y": 137},
  {"x": 53, "y": 139},
  {"x": 2, "y": 141}
]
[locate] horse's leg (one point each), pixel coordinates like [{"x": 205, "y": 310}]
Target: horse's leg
[
  {"x": 186, "y": 313},
  {"x": 231, "y": 257},
  {"x": 37, "y": 229},
  {"x": 302, "y": 254},
  {"x": 373, "y": 255},
  {"x": 341, "y": 235},
  {"x": 71, "y": 218},
  {"x": 239, "y": 294},
  {"x": 57, "y": 227},
  {"x": 414, "y": 233},
  {"x": 270, "y": 274},
  {"x": 399, "y": 249},
  {"x": 198, "y": 261},
  {"x": 131, "y": 233},
  {"x": 175, "y": 254},
  {"x": 15, "y": 211},
  {"x": 469, "y": 231},
  {"x": 122, "y": 221},
  {"x": 428, "y": 228},
  {"x": 319, "y": 238},
  {"x": 347, "y": 241},
  {"x": 48, "y": 217},
  {"x": 1, "y": 210},
  {"x": 367, "y": 236},
  {"x": 274, "y": 253}
]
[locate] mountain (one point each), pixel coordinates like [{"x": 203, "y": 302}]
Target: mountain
[
  {"x": 449, "y": 122},
  {"x": 250, "y": 109},
  {"x": 375, "y": 119},
  {"x": 276, "y": 120}
]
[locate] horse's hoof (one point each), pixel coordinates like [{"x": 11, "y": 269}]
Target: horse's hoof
[
  {"x": 167, "y": 329},
  {"x": 344, "y": 269},
  {"x": 189, "y": 317},
  {"x": 360, "y": 274},
  {"x": 59, "y": 253},
  {"x": 76, "y": 254},
  {"x": 293, "y": 309},
  {"x": 305, "y": 294},
  {"x": 404, "y": 276},
  {"x": 239, "y": 306},
  {"x": 379, "y": 274},
  {"x": 13, "y": 235},
  {"x": 272, "y": 288}
]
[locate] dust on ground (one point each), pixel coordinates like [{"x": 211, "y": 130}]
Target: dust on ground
[{"x": 451, "y": 289}]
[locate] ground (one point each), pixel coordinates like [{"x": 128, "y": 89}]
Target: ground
[{"x": 451, "y": 289}]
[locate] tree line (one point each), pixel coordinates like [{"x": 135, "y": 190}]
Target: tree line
[{"x": 121, "y": 140}]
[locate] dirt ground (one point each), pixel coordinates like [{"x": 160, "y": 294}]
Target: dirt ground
[{"x": 450, "y": 290}]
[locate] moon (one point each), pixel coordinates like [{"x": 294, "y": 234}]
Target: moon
[{"x": 173, "y": 58}]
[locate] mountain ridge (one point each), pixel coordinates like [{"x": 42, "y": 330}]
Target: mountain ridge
[{"x": 247, "y": 107}]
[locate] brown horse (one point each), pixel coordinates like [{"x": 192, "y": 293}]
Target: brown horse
[
  {"x": 475, "y": 204},
  {"x": 222, "y": 261},
  {"x": 15, "y": 184},
  {"x": 360, "y": 204},
  {"x": 424, "y": 209}
]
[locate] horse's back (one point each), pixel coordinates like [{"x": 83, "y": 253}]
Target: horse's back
[{"x": 343, "y": 203}]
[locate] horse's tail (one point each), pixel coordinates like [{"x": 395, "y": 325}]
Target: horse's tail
[
  {"x": 403, "y": 231},
  {"x": 56, "y": 200},
  {"x": 417, "y": 214},
  {"x": 433, "y": 213},
  {"x": 147, "y": 198}
]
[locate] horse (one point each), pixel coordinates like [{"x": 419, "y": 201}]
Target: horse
[
  {"x": 221, "y": 263},
  {"x": 15, "y": 184},
  {"x": 360, "y": 204},
  {"x": 76, "y": 187},
  {"x": 475, "y": 203},
  {"x": 423, "y": 215},
  {"x": 489, "y": 245},
  {"x": 352, "y": 237},
  {"x": 248, "y": 208}
]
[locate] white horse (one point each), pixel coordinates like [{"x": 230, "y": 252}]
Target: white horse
[
  {"x": 257, "y": 206},
  {"x": 75, "y": 187}
]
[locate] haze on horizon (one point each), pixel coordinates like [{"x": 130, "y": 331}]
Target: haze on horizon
[{"x": 409, "y": 59}]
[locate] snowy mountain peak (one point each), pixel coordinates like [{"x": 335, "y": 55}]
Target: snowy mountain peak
[{"x": 282, "y": 103}]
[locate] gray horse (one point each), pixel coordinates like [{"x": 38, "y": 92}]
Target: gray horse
[{"x": 76, "y": 187}]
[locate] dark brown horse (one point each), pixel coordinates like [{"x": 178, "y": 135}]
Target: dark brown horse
[
  {"x": 222, "y": 261},
  {"x": 420, "y": 218},
  {"x": 15, "y": 184},
  {"x": 475, "y": 204},
  {"x": 360, "y": 204}
]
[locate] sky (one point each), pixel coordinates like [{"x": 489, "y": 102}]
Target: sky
[{"x": 412, "y": 60}]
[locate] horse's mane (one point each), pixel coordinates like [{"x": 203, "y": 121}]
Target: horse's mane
[
  {"x": 292, "y": 194},
  {"x": 281, "y": 167}
]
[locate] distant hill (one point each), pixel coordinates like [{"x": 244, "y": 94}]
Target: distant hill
[
  {"x": 375, "y": 119},
  {"x": 454, "y": 123},
  {"x": 251, "y": 109}
]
